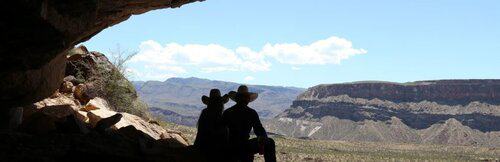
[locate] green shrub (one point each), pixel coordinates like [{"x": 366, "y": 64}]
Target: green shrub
[{"x": 117, "y": 90}]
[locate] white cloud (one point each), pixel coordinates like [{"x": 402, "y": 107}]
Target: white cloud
[
  {"x": 175, "y": 69},
  {"x": 148, "y": 75},
  {"x": 208, "y": 58},
  {"x": 159, "y": 61},
  {"x": 249, "y": 78},
  {"x": 328, "y": 51}
]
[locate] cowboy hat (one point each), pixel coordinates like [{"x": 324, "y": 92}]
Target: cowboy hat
[
  {"x": 214, "y": 97},
  {"x": 242, "y": 95}
]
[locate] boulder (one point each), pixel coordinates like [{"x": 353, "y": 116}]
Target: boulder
[
  {"x": 173, "y": 142},
  {"x": 96, "y": 103},
  {"x": 96, "y": 115},
  {"x": 25, "y": 87},
  {"x": 132, "y": 133},
  {"x": 66, "y": 87},
  {"x": 107, "y": 123},
  {"x": 58, "y": 111},
  {"x": 38, "y": 123},
  {"x": 70, "y": 78},
  {"x": 70, "y": 124},
  {"x": 84, "y": 92},
  {"x": 87, "y": 66},
  {"x": 67, "y": 101},
  {"x": 82, "y": 116},
  {"x": 154, "y": 131},
  {"x": 179, "y": 138},
  {"x": 60, "y": 100}
]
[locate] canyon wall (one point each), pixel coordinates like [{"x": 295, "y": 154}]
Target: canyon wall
[{"x": 459, "y": 112}]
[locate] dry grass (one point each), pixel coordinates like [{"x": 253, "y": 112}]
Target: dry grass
[{"x": 291, "y": 149}]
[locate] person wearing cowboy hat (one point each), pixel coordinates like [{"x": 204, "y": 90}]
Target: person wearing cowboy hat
[
  {"x": 211, "y": 138},
  {"x": 240, "y": 119}
]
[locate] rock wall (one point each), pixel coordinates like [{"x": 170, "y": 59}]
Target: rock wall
[
  {"x": 457, "y": 112},
  {"x": 37, "y": 33},
  {"x": 449, "y": 92}
]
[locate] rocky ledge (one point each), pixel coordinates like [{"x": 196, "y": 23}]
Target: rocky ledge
[
  {"x": 79, "y": 121},
  {"x": 448, "y": 92}
]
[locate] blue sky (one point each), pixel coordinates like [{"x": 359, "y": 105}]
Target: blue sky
[{"x": 305, "y": 43}]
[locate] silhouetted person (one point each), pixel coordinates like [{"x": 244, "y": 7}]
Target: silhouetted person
[
  {"x": 211, "y": 137},
  {"x": 240, "y": 119}
]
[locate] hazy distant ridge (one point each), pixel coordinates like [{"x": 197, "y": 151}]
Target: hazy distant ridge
[{"x": 183, "y": 96}]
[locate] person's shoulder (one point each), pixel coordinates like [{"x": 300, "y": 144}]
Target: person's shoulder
[
  {"x": 205, "y": 110},
  {"x": 229, "y": 110},
  {"x": 251, "y": 110}
]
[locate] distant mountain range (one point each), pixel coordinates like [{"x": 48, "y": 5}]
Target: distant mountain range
[
  {"x": 179, "y": 99},
  {"x": 457, "y": 112}
]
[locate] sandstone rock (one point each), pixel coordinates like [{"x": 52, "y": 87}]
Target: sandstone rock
[
  {"x": 96, "y": 103},
  {"x": 25, "y": 87},
  {"x": 70, "y": 124},
  {"x": 173, "y": 142},
  {"x": 61, "y": 100},
  {"x": 179, "y": 138},
  {"x": 79, "y": 90},
  {"x": 82, "y": 116},
  {"x": 152, "y": 130},
  {"x": 66, "y": 87},
  {"x": 33, "y": 57},
  {"x": 84, "y": 92},
  {"x": 58, "y": 111},
  {"x": 70, "y": 78},
  {"x": 49, "y": 102},
  {"x": 106, "y": 123},
  {"x": 135, "y": 134},
  {"x": 96, "y": 115},
  {"x": 39, "y": 123}
]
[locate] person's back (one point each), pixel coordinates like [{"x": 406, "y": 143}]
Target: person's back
[
  {"x": 240, "y": 119},
  {"x": 211, "y": 138}
]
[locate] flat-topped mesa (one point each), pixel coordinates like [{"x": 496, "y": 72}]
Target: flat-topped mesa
[{"x": 449, "y": 92}]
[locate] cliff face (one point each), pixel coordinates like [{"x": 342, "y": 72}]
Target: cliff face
[
  {"x": 36, "y": 34},
  {"x": 449, "y": 92},
  {"x": 409, "y": 112}
]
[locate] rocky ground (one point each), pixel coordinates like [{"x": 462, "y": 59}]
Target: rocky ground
[{"x": 78, "y": 121}]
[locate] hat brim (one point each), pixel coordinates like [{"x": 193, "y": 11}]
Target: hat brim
[
  {"x": 243, "y": 96},
  {"x": 207, "y": 100}
]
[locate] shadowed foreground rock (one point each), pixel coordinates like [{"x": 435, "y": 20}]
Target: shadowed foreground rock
[
  {"x": 75, "y": 122},
  {"x": 92, "y": 146},
  {"x": 36, "y": 34}
]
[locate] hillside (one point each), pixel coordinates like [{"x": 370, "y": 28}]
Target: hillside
[
  {"x": 457, "y": 112},
  {"x": 181, "y": 97}
]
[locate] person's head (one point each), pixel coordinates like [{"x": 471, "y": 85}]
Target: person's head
[
  {"x": 215, "y": 100},
  {"x": 243, "y": 96}
]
